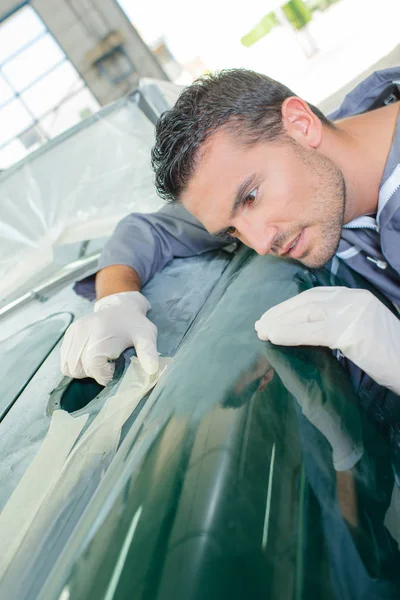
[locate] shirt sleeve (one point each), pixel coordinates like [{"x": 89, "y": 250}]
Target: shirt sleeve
[{"x": 147, "y": 242}]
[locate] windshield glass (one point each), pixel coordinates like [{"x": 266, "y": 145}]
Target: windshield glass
[{"x": 254, "y": 471}]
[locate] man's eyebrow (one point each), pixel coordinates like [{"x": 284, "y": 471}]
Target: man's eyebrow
[{"x": 241, "y": 192}]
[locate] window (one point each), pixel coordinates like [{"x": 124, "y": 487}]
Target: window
[
  {"x": 31, "y": 137},
  {"x": 41, "y": 93}
]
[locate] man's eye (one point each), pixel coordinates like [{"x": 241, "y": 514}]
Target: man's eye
[{"x": 250, "y": 198}]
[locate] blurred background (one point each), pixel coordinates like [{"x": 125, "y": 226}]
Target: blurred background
[{"x": 61, "y": 60}]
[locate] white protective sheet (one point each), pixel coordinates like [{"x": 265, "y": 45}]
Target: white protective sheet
[
  {"x": 77, "y": 187},
  {"x": 62, "y": 462},
  {"x": 23, "y": 505}
]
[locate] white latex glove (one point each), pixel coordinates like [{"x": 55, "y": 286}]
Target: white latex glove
[
  {"x": 118, "y": 322},
  {"x": 353, "y": 321}
]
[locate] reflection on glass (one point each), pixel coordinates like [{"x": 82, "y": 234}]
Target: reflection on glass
[
  {"x": 22, "y": 354},
  {"x": 348, "y": 471}
]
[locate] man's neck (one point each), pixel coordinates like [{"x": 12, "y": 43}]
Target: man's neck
[{"x": 360, "y": 147}]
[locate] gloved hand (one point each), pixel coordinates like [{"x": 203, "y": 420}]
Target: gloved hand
[
  {"x": 118, "y": 322},
  {"x": 351, "y": 320}
]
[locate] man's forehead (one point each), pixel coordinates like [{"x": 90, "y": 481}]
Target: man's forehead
[
  {"x": 215, "y": 173},
  {"x": 218, "y": 155},
  {"x": 223, "y": 141}
]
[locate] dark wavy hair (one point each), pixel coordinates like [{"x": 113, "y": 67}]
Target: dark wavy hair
[{"x": 247, "y": 104}]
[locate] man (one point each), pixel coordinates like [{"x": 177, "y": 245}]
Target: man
[{"x": 253, "y": 162}]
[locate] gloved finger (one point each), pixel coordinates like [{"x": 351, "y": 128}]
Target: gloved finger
[
  {"x": 99, "y": 368},
  {"x": 70, "y": 363},
  {"x": 308, "y": 313},
  {"x": 65, "y": 348},
  {"x": 146, "y": 350},
  {"x": 73, "y": 365},
  {"x": 301, "y": 334},
  {"x": 76, "y": 371}
]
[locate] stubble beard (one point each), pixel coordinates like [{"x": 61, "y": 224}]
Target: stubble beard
[{"x": 329, "y": 201}]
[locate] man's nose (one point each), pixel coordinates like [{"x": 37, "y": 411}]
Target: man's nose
[{"x": 258, "y": 236}]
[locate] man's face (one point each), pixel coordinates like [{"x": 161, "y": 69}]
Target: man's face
[{"x": 276, "y": 197}]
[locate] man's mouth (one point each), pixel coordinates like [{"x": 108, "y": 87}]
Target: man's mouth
[
  {"x": 294, "y": 243},
  {"x": 289, "y": 247},
  {"x": 294, "y": 248}
]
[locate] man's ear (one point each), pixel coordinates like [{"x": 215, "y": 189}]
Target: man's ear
[{"x": 301, "y": 123}]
